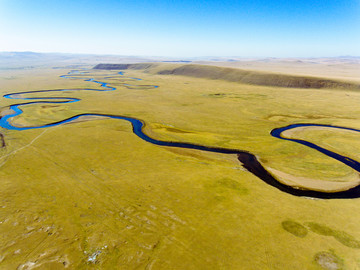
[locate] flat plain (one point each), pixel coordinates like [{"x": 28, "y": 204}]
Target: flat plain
[{"x": 91, "y": 194}]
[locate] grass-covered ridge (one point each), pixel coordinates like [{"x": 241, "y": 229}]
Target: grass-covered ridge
[{"x": 233, "y": 75}]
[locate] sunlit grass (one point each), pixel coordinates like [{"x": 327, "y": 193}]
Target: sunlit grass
[{"x": 92, "y": 194}]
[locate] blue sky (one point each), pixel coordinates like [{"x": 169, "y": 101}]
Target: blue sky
[{"x": 258, "y": 28}]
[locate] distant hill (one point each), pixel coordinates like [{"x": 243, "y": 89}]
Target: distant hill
[
  {"x": 234, "y": 75},
  {"x": 326, "y": 72}
]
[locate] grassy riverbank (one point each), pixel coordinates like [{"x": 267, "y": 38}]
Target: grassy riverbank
[{"x": 92, "y": 194}]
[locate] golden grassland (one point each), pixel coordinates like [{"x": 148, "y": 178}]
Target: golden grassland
[
  {"x": 243, "y": 76},
  {"x": 92, "y": 195},
  {"x": 342, "y": 68}
]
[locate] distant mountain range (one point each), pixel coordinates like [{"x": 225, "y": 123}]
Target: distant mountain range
[
  {"x": 21, "y": 60},
  {"x": 27, "y": 60}
]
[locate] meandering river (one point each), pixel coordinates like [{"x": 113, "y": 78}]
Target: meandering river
[{"x": 249, "y": 160}]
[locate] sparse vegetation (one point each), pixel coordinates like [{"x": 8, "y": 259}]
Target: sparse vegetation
[{"x": 328, "y": 261}]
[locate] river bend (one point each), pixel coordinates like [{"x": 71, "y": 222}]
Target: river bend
[{"x": 248, "y": 160}]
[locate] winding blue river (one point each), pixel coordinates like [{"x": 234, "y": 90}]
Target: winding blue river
[
  {"x": 347, "y": 161},
  {"x": 248, "y": 160}
]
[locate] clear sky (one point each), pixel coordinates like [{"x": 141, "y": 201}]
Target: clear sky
[{"x": 281, "y": 28}]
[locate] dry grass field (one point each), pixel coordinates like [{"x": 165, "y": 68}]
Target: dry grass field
[
  {"x": 90, "y": 194},
  {"x": 342, "y": 68}
]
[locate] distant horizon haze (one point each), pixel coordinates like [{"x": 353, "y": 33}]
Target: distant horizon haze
[{"x": 193, "y": 58}]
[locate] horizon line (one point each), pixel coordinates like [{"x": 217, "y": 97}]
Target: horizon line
[{"x": 179, "y": 57}]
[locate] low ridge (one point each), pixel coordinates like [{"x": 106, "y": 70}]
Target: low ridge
[{"x": 233, "y": 75}]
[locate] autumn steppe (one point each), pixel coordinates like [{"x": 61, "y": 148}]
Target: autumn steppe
[{"x": 91, "y": 195}]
